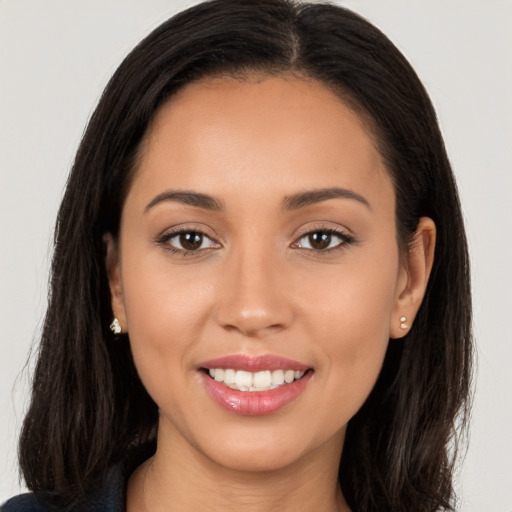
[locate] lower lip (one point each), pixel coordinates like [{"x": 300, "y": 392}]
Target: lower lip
[{"x": 254, "y": 403}]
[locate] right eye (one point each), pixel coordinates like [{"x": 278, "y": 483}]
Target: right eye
[
  {"x": 187, "y": 242},
  {"x": 322, "y": 240}
]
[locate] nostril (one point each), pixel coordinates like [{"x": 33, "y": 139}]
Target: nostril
[
  {"x": 255, "y": 331},
  {"x": 253, "y": 323},
  {"x": 253, "y": 301}
]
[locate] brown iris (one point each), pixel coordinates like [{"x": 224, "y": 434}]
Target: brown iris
[
  {"x": 191, "y": 240},
  {"x": 320, "y": 239}
]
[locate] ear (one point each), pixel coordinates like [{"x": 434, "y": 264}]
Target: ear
[
  {"x": 113, "y": 267},
  {"x": 413, "y": 278}
]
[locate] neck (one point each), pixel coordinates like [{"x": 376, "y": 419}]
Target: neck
[{"x": 179, "y": 478}]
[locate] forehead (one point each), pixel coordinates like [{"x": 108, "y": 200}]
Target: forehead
[{"x": 261, "y": 131}]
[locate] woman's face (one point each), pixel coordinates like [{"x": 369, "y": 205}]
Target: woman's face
[{"x": 258, "y": 239}]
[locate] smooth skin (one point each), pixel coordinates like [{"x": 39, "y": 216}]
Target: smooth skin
[{"x": 257, "y": 281}]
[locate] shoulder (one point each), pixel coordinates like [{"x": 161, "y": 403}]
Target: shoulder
[
  {"x": 107, "y": 496},
  {"x": 24, "y": 503}
]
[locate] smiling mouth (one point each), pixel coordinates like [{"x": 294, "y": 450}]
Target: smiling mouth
[
  {"x": 265, "y": 380},
  {"x": 254, "y": 386}
]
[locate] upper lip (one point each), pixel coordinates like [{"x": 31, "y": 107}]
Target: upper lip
[{"x": 254, "y": 364}]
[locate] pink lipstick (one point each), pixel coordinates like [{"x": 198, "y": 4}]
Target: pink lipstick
[{"x": 254, "y": 385}]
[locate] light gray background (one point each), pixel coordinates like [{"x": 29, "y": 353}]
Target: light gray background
[{"x": 57, "y": 55}]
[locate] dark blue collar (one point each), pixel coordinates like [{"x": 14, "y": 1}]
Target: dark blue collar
[{"x": 108, "y": 495}]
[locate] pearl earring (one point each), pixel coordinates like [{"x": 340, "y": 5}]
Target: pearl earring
[
  {"x": 115, "y": 326},
  {"x": 403, "y": 325}
]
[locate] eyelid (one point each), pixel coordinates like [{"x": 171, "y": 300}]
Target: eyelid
[
  {"x": 346, "y": 236},
  {"x": 170, "y": 233},
  {"x": 311, "y": 227}
]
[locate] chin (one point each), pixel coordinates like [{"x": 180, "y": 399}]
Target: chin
[
  {"x": 268, "y": 446},
  {"x": 255, "y": 459}
]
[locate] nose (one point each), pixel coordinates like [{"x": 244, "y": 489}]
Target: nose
[{"x": 254, "y": 298}]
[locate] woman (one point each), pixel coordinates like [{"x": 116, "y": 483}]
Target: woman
[{"x": 263, "y": 246}]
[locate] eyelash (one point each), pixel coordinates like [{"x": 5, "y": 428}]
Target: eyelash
[
  {"x": 165, "y": 239},
  {"x": 345, "y": 240}
]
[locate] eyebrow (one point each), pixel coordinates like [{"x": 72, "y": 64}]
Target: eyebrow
[
  {"x": 310, "y": 197},
  {"x": 293, "y": 202},
  {"x": 187, "y": 197}
]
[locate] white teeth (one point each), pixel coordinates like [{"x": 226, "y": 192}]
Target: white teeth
[
  {"x": 229, "y": 376},
  {"x": 289, "y": 376},
  {"x": 243, "y": 379},
  {"x": 277, "y": 377},
  {"x": 262, "y": 379},
  {"x": 257, "y": 381}
]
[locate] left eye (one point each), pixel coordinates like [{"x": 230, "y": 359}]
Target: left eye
[
  {"x": 321, "y": 240},
  {"x": 190, "y": 241}
]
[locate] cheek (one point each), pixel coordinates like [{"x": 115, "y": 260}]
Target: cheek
[
  {"x": 166, "y": 309},
  {"x": 354, "y": 300},
  {"x": 350, "y": 325}
]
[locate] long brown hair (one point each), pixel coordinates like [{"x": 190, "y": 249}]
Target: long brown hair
[{"x": 89, "y": 408}]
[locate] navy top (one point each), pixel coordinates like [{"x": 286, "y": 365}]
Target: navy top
[{"x": 109, "y": 495}]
